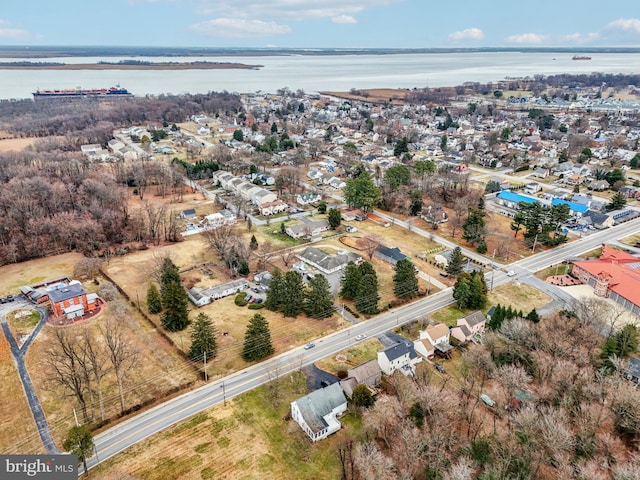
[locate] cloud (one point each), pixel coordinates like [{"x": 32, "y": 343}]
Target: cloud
[
  {"x": 630, "y": 25},
  {"x": 527, "y": 38},
  {"x": 288, "y": 9},
  {"x": 580, "y": 38},
  {"x": 239, "y": 28},
  {"x": 468, "y": 35},
  {"x": 344, "y": 19},
  {"x": 10, "y": 32}
]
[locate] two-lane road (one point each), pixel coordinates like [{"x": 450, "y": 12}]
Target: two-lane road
[{"x": 149, "y": 422}]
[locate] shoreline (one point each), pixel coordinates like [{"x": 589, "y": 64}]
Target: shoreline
[{"x": 136, "y": 66}]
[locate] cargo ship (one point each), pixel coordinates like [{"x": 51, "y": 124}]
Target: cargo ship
[
  {"x": 576, "y": 57},
  {"x": 112, "y": 92}
]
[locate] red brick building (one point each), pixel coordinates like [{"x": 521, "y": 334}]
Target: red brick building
[{"x": 72, "y": 301}]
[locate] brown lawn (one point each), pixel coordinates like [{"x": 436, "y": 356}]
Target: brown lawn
[
  {"x": 16, "y": 144},
  {"x": 16, "y": 275},
  {"x": 18, "y": 433},
  {"x": 373, "y": 95},
  {"x": 519, "y": 295}
]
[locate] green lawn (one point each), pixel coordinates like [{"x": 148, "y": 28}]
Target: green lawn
[{"x": 449, "y": 315}]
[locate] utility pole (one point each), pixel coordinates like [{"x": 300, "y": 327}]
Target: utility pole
[
  {"x": 535, "y": 240},
  {"x": 205, "y": 366},
  {"x": 224, "y": 394},
  {"x": 493, "y": 268}
]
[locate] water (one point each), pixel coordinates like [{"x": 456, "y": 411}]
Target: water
[{"x": 315, "y": 73}]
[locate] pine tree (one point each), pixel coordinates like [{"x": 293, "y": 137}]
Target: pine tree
[
  {"x": 478, "y": 290},
  {"x": 362, "y": 397},
  {"x": 203, "y": 338},
  {"x": 276, "y": 292},
  {"x": 257, "y": 339},
  {"x": 318, "y": 298},
  {"x": 533, "y": 316},
  {"x": 350, "y": 281},
  {"x": 169, "y": 275},
  {"x": 293, "y": 300},
  {"x": 462, "y": 291},
  {"x": 334, "y": 218},
  {"x": 253, "y": 243},
  {"x": 454, "y": 266},
  {"x": 405, "y": 280},
  {"x": 367, "y": 296},
  {"x": 365, "y": 268},
  {"x": 154, "y": 302},
  {"x": 176, "y": 315},
  {"x": 497, "y": 317}
]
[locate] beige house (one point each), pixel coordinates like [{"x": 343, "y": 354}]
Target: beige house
[{"x": 467, "y": 327}]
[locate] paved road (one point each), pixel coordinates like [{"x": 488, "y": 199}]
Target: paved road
[
  {"x": 132, "y": 431},
  {"x": 18, "y": 353}
]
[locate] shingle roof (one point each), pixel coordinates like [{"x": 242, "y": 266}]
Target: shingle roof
[
  {"x": 475, "y": 318},
  {"x": 66, "y": 292},
  {"x": 315, "y": 406}
]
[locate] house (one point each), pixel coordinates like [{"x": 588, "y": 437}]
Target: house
[
  {"x": 400, "y": 356},
  {"x": 307, "y": 198},
  {"x": 72, "y": 301},
  {"x": 532, "y": 188},
  {"x": 424, "y": 347},
  {"x": 350, "y": 214},
  {"x": 438, "y": 335},
  {"x": 219, "y": 219},
  {"x": 202, "y": 297},
  {"x": 367, "y": 373},
  {"x": 263, "y": 278},
  {"x": 598, "y": 185},
  {"x": 189, "y": 214},
  {"x": 597, "y": 220},
  {"x": 632, "y": 371},
  {"x": 263, "y": 196},
  {"x": 389, "y": 255},
  {"x": 308, "y": 229},
  {"x": 317, "y": 413},
  {"x": 271, "y": 208},
  {"x": 614, "y": 275},
  {"x": 540, "y": 172},
  {"x": 328, "y": 263},
  {"x": 467, "y": 327}
]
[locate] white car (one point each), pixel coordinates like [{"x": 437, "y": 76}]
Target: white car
[
  {"x": 511, "y": 273},
  {"x": 360, "y": 337},
  {"x": 309, "y": 346}
]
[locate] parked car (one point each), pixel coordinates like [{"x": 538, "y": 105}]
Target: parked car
[
  {"x": 439, "y": 367},
  {"x": 3, "y": 300},
  {"x": 309, "y": 346},
  {"x": 256, "y": 289},
  {"x": 259, "y": 300},
  {"x": 10, "y": 298}
]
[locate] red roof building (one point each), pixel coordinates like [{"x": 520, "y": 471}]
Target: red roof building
[{"x": 616, "y": 275}]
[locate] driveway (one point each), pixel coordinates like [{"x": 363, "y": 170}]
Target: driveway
[
  {"x": 317, "y": 378},
  {"x": 18, "y": 353}
]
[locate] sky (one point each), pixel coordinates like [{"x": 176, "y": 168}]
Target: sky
[{"x": 321, "y": 23}]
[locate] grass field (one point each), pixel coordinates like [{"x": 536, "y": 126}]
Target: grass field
[{"x": 252, "y": 437}]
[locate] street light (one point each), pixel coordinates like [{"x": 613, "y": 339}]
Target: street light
[{"x": 493, "y": 268}]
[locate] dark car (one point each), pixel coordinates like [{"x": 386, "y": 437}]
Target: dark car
[
  {"x": 439, "y": 367},
  {"x": 3, "y": 300},
  {"x": 10, "y": 298}
]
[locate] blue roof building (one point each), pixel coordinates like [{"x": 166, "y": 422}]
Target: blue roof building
[
  {"x": 575, "y": 209},
  {"x": 511, "y": 200}
]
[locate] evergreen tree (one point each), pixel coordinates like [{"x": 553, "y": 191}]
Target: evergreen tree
[
  {"x": 176, "y": 315},
  {"x": 318, "y": 299},
  {"x": 367, "y": 296},
  {"x": 253, "y": 243},
  {"x": 203, "y": 338},
  {"x": 474, "y": 227},
  {"x": 361, "y": 192},
  {"x": 276, "y": 292},
  {"x": 79, "y": 441},
  {"x": 405, "y": 280},
  {"x": 533, "y": 316},
  {"x": 293, "y": 300},
  {"x": 366, "y": 268},
  {"x": 478, "y": 290},
  {"x": 417, "y": 414},
  {"x": 154, "y": 302},
  {"x": 334, "y": 218},
  {"x": 462, "y": 291},
  {"x": 454, "y": 266},
  {"x": 350, "y": 281},
  {"x": 257, "y": 339},
  {"x": 497, "y": 317},
  {"x": 322, "y": 207},
  {"x": 362, "y": 397},
  {"x": 169, "y": 274}
]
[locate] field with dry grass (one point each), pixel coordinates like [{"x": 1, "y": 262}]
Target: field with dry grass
[
  {"x": 18, "y": 432},
  {"x": 252, "y": 437}
]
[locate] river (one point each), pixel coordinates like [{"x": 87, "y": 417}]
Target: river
[{"x": 314, "y": 73}]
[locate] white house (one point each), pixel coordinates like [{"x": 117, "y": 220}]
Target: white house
[
  {"x": 271, "y": 208},
  {"x": 326, "y": 262},
  {"x": 438, "y": 336},
  {"x": 309, "y": 229},
  {"x": 263, "y": 196},
  {"x": 307, "y": 198},
  {"x": 203, "y": 297},
  {"x": 317, "y": 413},
  {"x": 398, "y": 357},
  {"x": 219, "y": 219},
  {"x": 468, "y": 326},
  {"x": 424, "y": 347}
]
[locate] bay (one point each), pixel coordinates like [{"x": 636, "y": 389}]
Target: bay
[{"x": 313, "y": 73}]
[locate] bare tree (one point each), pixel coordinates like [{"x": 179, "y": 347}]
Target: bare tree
[
  {"x": 93, "y": 354},
  {"x": 369, "y": 243},
  {"x": 287, "y": 256},
  {"x": 121, "y": 353},
  {"x": 65, "y": 369},
  {"x": 220, "y": 239}
]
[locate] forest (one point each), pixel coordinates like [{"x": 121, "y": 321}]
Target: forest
[{"x": 54, "y": 200}]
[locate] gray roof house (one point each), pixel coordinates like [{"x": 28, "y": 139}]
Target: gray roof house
[
  {"x": 202, "y": 297},
  {"x": 367, "y": 373},
  {"x": 389, "y": 255},
  {"x": 308, "y": 229},
  {"x": 317, "y": 413},
  {"x": 401, "y": 356},
  {"x": 326, "y": 262}
]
